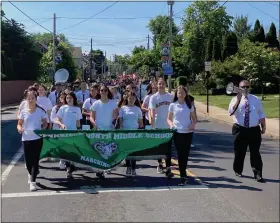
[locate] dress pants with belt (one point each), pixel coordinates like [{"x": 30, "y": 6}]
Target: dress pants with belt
[{"x": 245, "y": 137}]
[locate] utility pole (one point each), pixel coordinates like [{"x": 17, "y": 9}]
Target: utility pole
[
  {"x": 91, "y": 58},
  {"x": 148, "y": 44},
  {"x": 170, "y": 3},
  {"x": 54, "y": 46}
]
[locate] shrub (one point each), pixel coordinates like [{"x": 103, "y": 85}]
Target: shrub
[{"x": 198, "y": 88}]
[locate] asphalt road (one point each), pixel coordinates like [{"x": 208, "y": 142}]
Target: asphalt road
[{"x": 214, "y": 193}]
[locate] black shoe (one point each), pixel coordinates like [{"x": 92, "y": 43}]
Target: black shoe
[
  {"x": 259, "y": 178},
  {"x": 100, "y": 175},
  {"x": 238, "y": 174},
  {"x": 184, "y": 181},
  {"x": 168, "y": 173}
]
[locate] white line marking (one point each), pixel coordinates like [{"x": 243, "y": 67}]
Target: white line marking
[
  {"x": 102, "y": 190},
  {"x": 15, "y": 159}
]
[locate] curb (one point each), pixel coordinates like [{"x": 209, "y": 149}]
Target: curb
[
  {"x": 269, "y": 134},
  {"x": 7, "y": 107}
]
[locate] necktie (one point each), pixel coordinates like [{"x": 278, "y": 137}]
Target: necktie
[
  {"x": 83, "y": 97},
  {"x": 246, "y": 119}
]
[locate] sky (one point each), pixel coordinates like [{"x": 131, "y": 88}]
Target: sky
[{"x": 109, "y": 32}]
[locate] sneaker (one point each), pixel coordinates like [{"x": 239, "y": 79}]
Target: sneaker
[
  {"x": 69, "y": 175},
  {"x": 128, "y": 171},
  {"x": 168, "y": 173},
  {"x": 62, "y": 165},
  {"x": 133, "y": 173},
  {"x": 183, "y": 182},
  {"x": 160, "y": 168},
  {"x": 29, "y": 179},
  {"x": 32, "y": 186},
  {"x": 100, "y": 175}
]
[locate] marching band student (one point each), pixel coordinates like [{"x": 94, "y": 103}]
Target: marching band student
[
  {"x": 69, "y": 116},
  {"x": 181, "y": 116},
  {"x": 54, "y": 94},
  {"x": 24, "y": 103},
  {"x": 130, "y": 117},
  {"x": 152, "y": 89},
  {"x": 103, "y": 113},
  {"x": 30, "y": 119},
  {"x": 88, "y": 103},
  {"x": 158, "y": 105},
  {"x": 44, "y": 102},
  {"x": 54, "y": 119}
]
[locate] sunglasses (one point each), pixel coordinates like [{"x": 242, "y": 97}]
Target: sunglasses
[
  {"x": 104, "y": 90},
  {"x": 247, "y": 87}
]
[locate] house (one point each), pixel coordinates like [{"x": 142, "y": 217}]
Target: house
[
  {"x": 41, "y": 48},
  {"x": 78, "y": 56}
]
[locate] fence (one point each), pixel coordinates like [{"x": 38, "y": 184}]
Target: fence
[{"x": 12, "y": 91}]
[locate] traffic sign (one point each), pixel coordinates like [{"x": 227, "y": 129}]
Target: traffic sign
[
  {"x": 207, "y": 65},
  {"x": 167, "y": 70}
]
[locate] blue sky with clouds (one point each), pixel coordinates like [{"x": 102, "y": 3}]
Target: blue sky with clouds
[{"x": 119, "y": 35}]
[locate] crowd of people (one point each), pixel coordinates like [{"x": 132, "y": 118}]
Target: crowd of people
[{"x": 101, "y": 107}]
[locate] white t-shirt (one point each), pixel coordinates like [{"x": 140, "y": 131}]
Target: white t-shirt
[
  {"x": 69, "y": 116},
  {"x": 146, "y": 103},
  {"x": 104, "y": 114},
  {"x": 54, "y": 118},
  {"x": 161, "y": 102},
  {"x": 181, "y": 116},
  {"x": 53, "y": 97},
  {"x": 45, "y": 103},
  {"x": 23, "y": 105},
  {"x": 82, "y": 96},
  {"x": 88, "y": 103},
  {"x": 130, "y": 116},
  {"x": 31, "y": 122}
]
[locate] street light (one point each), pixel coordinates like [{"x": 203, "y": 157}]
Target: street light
[{"x": 170, "y": 3}]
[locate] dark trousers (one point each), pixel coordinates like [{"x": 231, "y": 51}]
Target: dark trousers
[
  {"x": 182, "y": 143},
  {"x": 168, "y": 155},
  {"x": 84, "y": 121},
  {"x": 131, "y": 163},
  {"x": 70, "y": 167},
  {"x": 32, "y": 150},
  {"x": 245, "y": 137}
]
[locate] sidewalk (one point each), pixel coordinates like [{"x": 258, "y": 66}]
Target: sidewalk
[{"x": 272, "y": 125}]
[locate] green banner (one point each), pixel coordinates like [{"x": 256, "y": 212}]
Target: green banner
[{"x": 102, "y": 150}]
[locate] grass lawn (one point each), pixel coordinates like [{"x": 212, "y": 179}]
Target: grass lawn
[{"x": 270, "y": 104}]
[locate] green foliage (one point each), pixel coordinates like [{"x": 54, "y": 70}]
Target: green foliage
[
  {"x": 197, "y": 88},
  {"x": 230, "y": 46},
  {"x": 181, "y": 81},
  {"x": 20, "y": 59},
  {"x": 209, "y": 50},
  {"x": 271, "y": 37},
  {"x": 241, "y": 27},
  {"x": 258, "y": 33},
  {"x": 47, "y": 38},
  {"x": 216, "y": 53},
  {"x": 67, "y": 62}
]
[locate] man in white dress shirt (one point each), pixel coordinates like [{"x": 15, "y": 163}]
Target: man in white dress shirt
[
  {"x": 53, "y": 96},
  {"x": 82, "y": 95},
  {"x": 249, "y": 124}
]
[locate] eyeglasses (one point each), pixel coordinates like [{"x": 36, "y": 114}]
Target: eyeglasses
[
  {"x": 103, "y": 90},
  {"x": 244, "y": 87}
]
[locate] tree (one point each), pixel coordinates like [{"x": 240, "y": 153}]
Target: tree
[
  {"x": 260, "y": 64},
  {"x": 99, "y": 60},
  {"x": 216, "y": 53},
  {"x": 67, "y": 62},
  {"x": 209, "y": 50},
  {"x": 241, "y": 27},
  {"x": 20, "y": 60},
  {"x": 203, "y": 20},
  {"x": 47, "y": 38},
  {"x": 159, "y": 27},
  {"x": 230, "y": 46},
  {"x": 271, "y": 37},
  {"x": 258, "y": 33}
]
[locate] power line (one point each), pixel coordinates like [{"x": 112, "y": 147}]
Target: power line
[
  {"x": 40, "y": 23},
  {"x": 90, "y": 17},
  {"x": 30, "y": 17},
  {"x": 121, "y": 18},
  {"x": 262, "y": 11}
]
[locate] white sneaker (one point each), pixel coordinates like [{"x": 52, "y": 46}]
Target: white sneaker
[
  {"x": 29, "y": 179},
  {"x": 62, "y": 165},
  {"x": 33, "y": 186}
]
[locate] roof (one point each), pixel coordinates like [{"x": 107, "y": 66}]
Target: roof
[{"x": 77, "y": 52}]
